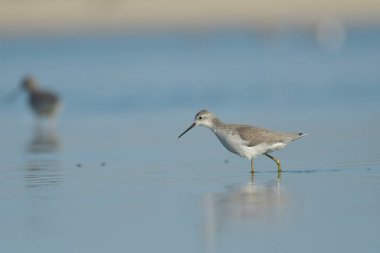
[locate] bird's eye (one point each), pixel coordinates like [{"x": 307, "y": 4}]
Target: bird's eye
[{"x": 200, "y": 117}]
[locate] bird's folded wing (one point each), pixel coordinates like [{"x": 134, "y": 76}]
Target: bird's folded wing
[{"x": 255, "y": 136}]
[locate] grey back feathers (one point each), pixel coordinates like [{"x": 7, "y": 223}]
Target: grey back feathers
[
  {"x": 43, "y": 102},
  {"x": 255, "y": 135}
]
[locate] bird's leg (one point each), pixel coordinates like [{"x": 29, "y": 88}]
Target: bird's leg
[
  {"x": 252, "y": 179},
  {"x": 276, "y": 161},
  {"x": 279, "y": 175},
  {"x": 252, "y": 167}
]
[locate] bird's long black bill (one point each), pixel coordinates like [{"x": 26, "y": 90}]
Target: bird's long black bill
[{"x": 190, "y": 127}]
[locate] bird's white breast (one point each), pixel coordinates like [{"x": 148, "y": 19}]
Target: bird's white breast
[
  {"x": 232, "y": 142},
  {"x": 239, "y": 146}
]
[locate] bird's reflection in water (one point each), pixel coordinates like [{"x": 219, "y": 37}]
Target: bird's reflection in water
[
  {"x": 45, "y": 140},
  {"x": 42, "y": 173},
  {"x": 240, "y": 206},
  {"x": 42, "y": 170}
]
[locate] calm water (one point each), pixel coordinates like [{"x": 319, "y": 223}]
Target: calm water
[{"x": 114, "y": 177}]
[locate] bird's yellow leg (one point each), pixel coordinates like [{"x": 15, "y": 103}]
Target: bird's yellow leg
[
  {"x": 276, "y": 161},
  {"x": 252, "y": 179},
  {"x": 279, "y": 175},
  {"x": 252, "y": 167}
]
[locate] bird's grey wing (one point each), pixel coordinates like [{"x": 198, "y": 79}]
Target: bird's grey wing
[
  {"x": 255, "y": 136},
  {"x": 44, "y": 101},
  {"x": 49, "y": 98}
]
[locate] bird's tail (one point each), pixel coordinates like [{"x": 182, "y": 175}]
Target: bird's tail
[{"x": 297, "y": 136}]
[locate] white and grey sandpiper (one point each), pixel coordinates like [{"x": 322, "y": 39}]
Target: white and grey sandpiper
[{"x": 245, "y": 141}]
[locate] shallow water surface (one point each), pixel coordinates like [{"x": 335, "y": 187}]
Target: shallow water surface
[{"x": 112, "y": 175}]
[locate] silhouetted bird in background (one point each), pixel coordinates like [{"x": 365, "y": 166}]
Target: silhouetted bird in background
[{"x": 42, "y": 102}]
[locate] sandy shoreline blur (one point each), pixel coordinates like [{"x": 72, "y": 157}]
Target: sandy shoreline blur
[{"x": 51, "y": 16}]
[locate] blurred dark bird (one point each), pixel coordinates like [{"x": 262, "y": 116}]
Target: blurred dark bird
[{"x": 43, "y": 103}]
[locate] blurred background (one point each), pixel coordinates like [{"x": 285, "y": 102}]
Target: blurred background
[
  {"x": 48, "y": 16},
  {"x": 131, "y": 74},
  {"x": 288, "y": 65}
]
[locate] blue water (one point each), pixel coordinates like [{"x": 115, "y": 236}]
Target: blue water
[{"x": 113, "y": 176}]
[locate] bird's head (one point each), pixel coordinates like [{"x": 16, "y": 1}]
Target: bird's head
[
  {"x": 202, "y": 118},
  {"x": 28, "y": 83}
]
